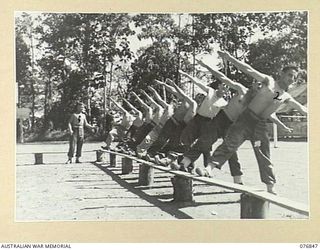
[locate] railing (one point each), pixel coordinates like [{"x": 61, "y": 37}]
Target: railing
[{"x": 300, "y": 128}]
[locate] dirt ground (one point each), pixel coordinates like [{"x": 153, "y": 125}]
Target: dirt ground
[{"x": 89, "y": 191}]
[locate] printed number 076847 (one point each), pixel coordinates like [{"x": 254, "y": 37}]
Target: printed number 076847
[{"x": 306, "y": 245}]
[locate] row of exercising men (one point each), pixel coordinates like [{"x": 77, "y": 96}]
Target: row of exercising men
[{"x": 195, "y": 125}]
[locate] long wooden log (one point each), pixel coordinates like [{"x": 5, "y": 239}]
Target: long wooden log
[{"x": 294, "y": 206}]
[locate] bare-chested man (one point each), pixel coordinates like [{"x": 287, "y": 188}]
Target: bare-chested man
[
  {"x": 209, "y": 108},
  {"x": 153, "y": 135},
  {"x": 136, "y": 124},
  {"x": 252, "y": 122},
  {"x": 207, "y": 111},
  {"x": 171, "y": 131},
  {"x": 138, "y": 121},
  {"x": 147, "y": 126},
  {"x": 121, "y": 130},
  {"x": 219, "y": 125}
]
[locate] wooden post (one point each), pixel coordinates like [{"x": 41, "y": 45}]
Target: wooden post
[
  {"x": 146, "y": 175},
  {"x": 275, "y": 135},
  {"x": 253, "y": 208},
  {"x": 21, "y": 135},
  {"x": 182, "y": 189},
  {"x": 113, "y": 160},
  {"x": 127, "y": 166},
  {"x": 38, "y": 158},
  {"x": 101, "y": 156}
]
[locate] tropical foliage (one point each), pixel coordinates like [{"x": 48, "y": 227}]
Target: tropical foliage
[{"x": 62, "y": 58}]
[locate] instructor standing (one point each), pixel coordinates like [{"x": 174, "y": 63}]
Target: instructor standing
[{"x": 76, "y": 125}]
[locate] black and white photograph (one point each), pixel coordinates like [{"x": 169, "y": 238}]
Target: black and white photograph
[{"x": 161, "y": 116}]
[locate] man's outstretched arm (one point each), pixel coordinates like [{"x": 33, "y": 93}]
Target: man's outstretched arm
[
  {"x": 168, "y": 87},
  {"x": 181, "y": 93},
  {"x": 151, "y": 100},
  {"x": 196, "y": 81},
  {"x": 298, "y": 106},
  {"x": 274, "y": 118},
  {"x": 158, "y": 97},
  {"x": 244, "y": 67},
  {"x": 146, "y": 107},
  {"x": 137, "y": 111},
  {"x": 224, "y": 79},
  {"x": 119, "y": 106}
]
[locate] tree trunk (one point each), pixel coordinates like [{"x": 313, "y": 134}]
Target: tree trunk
[
  {"x": 49, "y": 97},
  {"x": 32, "y": 82},
  {"x": 46, "y": 100},
  {"x": 110, "y": 86},
  {"x": 85, "y": 51},
  {"x": 105, "y": 93},
  {"x": 33, "y": 105}
]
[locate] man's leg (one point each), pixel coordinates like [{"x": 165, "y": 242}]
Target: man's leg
[
  {"x": 137, "y": 135},
  {"x": 223, "y": 126},
  {"x": 143, "y": 132},
  {"x": 162, "y": 138},
  {"x": 110, "y": 138},
  {"x": 206, "y": 157},
  {"x": 131, "y": 131},
  {"x": 191, "y": 132},
  {"x": 79, "y": 148},
  {"x": 235, "y": 168},
  {"x": 210, "y": 131},
  {"x": 203, "y": 145},
  {"x": 72, "y": 143},
  {"x": 235, "y": 137},
  {"x": 173, "y": 149},
  {"x": 121, "y": 132},
  {"x": 261, "y": 147},
  {"x": 148, "y": 140}
]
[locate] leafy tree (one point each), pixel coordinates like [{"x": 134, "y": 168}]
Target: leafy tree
[
  {"x": 81, "y": 44},
  {"x": 157, "y": 27},
  {"x": 25, "y": 53},
  {"x": 163, "y": 58},
  {"x": 22, "y": 59},
  {"x": 282, "y": 37},
  {"x": 75, "y": 48},
  {"x": 288, "y": 47},
  {"x": 155, "y": 62}
]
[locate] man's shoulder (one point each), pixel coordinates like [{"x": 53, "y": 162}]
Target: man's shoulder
[
  {"x": 286, "y": 96},
  {"x": 268, "y": 81},
  {"x": 211, "y": 93}
]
